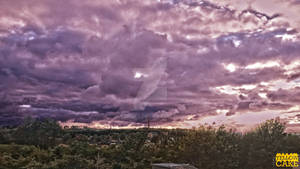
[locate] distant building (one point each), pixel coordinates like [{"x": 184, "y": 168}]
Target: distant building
[
  {"x": 172, "y": 166},
  {"x": 152, "y": 134}
]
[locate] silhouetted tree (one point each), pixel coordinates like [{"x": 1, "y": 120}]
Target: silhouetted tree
[{"x": 41, "y": 133}]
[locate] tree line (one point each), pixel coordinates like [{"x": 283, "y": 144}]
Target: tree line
[{"x": 43, "y": 144}]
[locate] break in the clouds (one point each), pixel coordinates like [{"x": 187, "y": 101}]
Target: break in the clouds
[{"x": 175, "y": 63}]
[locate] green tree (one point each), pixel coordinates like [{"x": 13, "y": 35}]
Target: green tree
[
  {"x": 41, "y": 133},
  {"x": 259, "y": 147}
]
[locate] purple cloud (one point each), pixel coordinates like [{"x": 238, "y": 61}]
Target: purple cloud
[{"x": 176, "y": 63}]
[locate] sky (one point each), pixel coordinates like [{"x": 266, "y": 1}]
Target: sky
[{"x": 172, "y": 63}]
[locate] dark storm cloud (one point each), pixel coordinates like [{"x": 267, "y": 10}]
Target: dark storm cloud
[
  {"x": 295, "y": 2},
  {"x": 290, "y": 96},
  {"x": 166, "y": 61}
]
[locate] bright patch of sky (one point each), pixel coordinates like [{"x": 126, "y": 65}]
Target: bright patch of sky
[
  {"x": 138, "y": 75},
  {"x": 263, "y": 95},
  {"x": 287, "y": 37},
  {"x": 25, "y": 106},
  {"x": 230, "y": 67},
  {"x": 234, "y": 90},
  {"x": 280, "y": 84},
  {"x": 260, "y": 65}
]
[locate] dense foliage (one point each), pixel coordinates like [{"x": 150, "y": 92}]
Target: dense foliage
[{"x": 45, "y": 145}]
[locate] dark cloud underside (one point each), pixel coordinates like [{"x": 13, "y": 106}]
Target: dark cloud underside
[{"x": 177, "y": 63}]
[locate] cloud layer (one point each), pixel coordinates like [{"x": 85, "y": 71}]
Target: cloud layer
[{"x": 175, "y": 63}]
